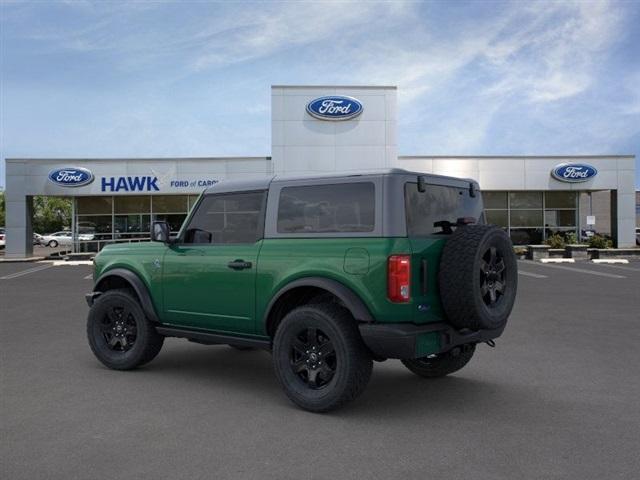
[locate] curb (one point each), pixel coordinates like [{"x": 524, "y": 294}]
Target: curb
[
  {"x": 610, "y": 260},
  {"x": 557, "y": 260}
]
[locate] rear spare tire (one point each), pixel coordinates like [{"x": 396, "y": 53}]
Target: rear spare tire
[{"x": 478, "y": 277}]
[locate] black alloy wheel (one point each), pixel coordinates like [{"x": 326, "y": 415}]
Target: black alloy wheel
[
  {"x": 319, "y": 357},
  {"x": 492, "y": 284},
  {"x": 313, "y": 357},
  {"x": 119, "y": 333},
  {"x": 118, "y": 327}
]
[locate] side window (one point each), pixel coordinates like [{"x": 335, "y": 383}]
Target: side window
[
  {"x": 343, "y": 207},
  {"x": 227, "y": 218}
]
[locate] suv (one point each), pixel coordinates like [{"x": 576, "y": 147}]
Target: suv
[{"x": 328, "y": 273}]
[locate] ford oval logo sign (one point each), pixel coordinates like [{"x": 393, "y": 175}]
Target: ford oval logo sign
[
  {"x": 71, "y": 177},
  {"x": 334, "y": 107},
  {"x": 574, "y": 172}
]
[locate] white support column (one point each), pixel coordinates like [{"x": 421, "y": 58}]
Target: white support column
[{"x": 18, "y": 230}]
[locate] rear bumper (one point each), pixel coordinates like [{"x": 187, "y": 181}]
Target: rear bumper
[{"x": 405, "y": 341}]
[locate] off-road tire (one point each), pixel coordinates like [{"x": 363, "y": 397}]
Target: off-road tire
[
  {"x": 352, "y": 361},
  {"x": 52, "y": 244},
  {"x": 147, "y": 343},
  {"x": 442, "y": 364},
  {"x": 463, "y": 277}
]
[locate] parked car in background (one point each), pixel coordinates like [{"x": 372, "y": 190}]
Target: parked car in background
[
  {"x": 2, "y": 240},
  {"x": 38, "y": 239},
  {"x": 63, "y": 238},
  {"x": 638, "y": 236}
]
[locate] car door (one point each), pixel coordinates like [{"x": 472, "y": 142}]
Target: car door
[{"x": 209, "y": 273}]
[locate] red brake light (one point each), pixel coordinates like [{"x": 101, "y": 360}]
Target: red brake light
[{"x": 398, "y": 278}]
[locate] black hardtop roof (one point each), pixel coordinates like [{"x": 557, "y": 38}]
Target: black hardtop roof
[{"x": 262, "y": 183}]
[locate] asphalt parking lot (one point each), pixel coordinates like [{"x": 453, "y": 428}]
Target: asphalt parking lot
[{"x": 557, "y": 398}]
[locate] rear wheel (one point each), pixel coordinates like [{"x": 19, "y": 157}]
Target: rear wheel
[
  {"x": 53, "y": 244},
  {"x": 435, "y": 366},
  {"x": 319, "y": 357},
  {"x": 119, "y": 333}
]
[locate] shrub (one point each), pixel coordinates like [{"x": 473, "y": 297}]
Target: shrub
[
  {"x": 598, "y": 241},
  {"x": 555, "y": 241},
  {"x": 519, "y": 251},
  {"x": 571, "y": 239}
]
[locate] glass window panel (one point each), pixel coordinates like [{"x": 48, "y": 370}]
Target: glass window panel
[
  {"x": 525, "y": 200},
  {"x": 93, "y": 205},
  {"x": 128, "y": 223},
  {"x": 98, "y": 225},
  {"x": 526, "y": 236},
  {"x": 526, "y": 218},
  {"x": 170, "y": 204},
  {"x": 560, "y": 218},
  {"x": 192, "y": 200},
  {"x": 560, "y": 199},
  {"x": 347, "y": 207},
  {"x": 494, "y": 199},
  {"x": 227, "y": 218},
  {"x": 133, "y": 204},
  {"x": 174, "y": 220},
  {"x": 145, "y": 225},
  {"x": 497, "y": 217}
]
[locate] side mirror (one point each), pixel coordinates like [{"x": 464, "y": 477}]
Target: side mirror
[{"x": 160, "y": 232}]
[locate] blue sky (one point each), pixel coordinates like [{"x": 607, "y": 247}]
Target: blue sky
[{"x": 127, "y": 79}]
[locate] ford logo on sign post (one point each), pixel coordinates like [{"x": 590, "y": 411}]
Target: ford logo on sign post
[
  {"x": 71, "y": 177},
  {"x": 574, "y": 172},
  {"x": 334, "y": 107}
]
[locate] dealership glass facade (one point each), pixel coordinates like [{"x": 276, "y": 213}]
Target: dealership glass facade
[
  {"x": 530, "y": 217},
  {"x": 121, "y": 218}
]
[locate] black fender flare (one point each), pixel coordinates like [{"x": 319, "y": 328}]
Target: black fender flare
[
  {"x": 138, "y": 286},
  {"x": 351, "y": 300}
]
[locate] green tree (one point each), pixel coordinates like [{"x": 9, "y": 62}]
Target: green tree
[
  {"x": 2, "y": 214},
  {"x": 51, "y": 214}
]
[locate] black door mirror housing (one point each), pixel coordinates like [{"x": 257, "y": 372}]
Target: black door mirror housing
[{"x": 160, "y": 232}]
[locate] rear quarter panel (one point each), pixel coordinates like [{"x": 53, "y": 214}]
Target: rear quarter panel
[{"x": 282, "y": 261}]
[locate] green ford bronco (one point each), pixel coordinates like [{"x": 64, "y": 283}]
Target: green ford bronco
[{"x": 328, "y": 273}]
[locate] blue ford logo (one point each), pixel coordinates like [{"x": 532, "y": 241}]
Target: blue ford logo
[
  {"x": 335, "y": 107},
  {"x": 574, "y": 172},
  {"x": 71, "y": 177}
]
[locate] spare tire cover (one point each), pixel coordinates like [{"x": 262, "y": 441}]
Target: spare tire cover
[{"x": 478, "y": 277}]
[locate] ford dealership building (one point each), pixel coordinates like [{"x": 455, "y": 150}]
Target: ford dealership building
[{"x": 325, "y": 130}]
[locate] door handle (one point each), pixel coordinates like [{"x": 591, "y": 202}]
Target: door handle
[{"x": 239, "y": 265}]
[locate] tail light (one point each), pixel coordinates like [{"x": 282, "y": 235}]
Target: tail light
[{"x": 398, "y": 278}]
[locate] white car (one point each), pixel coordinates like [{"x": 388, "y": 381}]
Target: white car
[
  {"x": 63, "y": 238},
  {"x": 2, "y": 240}
]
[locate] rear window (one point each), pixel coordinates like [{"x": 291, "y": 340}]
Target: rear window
[
  {"x": 438, "y": 203},
  {"x": 336, "y": 208}
]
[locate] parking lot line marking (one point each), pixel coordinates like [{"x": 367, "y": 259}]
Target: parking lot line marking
[
  {"x": 89, "y": 277},
  {"x": 581, "y": 270},
  {"x": 25, "y": 272},
  {"x": 529, "y": 274},
  {"x": 630, "y": 269}
]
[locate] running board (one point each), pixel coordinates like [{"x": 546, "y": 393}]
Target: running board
[{"x": 208, "y": 338}]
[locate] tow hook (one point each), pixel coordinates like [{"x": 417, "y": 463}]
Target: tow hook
[{"x": 491, "y": 343}]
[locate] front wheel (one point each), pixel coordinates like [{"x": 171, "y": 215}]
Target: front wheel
[
  {"x": 319, "y": 357},
  {"x": 119, "y": 333},
  {"x": 53, "y": 244},
  {"x": 442, "y": 364}
]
